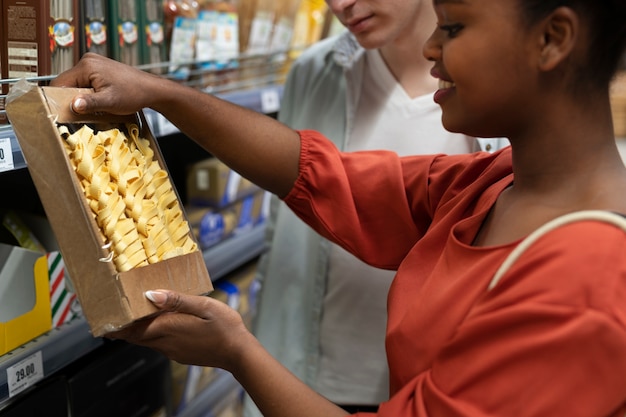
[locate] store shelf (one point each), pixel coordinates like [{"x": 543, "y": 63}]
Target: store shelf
[
  {"x": 215, "y": 398},
  {"x": 260, "y": 91},
  {"x": 63, "y": 345},
  {"x": 53, "y": 350},
  {"x": 234, "y": 252}
]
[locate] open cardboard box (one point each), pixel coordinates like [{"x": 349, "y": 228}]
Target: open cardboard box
[{"x": 109, "y": 299}]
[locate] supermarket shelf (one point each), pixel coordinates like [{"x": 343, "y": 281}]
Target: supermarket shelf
[
  {"x": 63, "y": 345},
  {"x": 234, "y": 252},
  {"x": 58, "y": 348},
  {"x": 215, "y": 398}
]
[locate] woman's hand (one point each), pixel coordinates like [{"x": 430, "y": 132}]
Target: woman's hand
[
  {"x": 120, "y": 88},
  {"x": 258, "y": 147},
  {"x": 193, "y": 330},
  {"x": 204, "y": 331}
]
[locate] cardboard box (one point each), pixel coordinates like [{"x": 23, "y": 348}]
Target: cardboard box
[
  {"x": 24, "y": 296},
  {"x": 212, "y": 226},
  {"x": 109, "y": 299},
  {"x": 211, "y": 183}
]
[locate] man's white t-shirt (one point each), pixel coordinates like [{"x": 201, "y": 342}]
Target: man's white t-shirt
[{"x": 356, "y": 297}]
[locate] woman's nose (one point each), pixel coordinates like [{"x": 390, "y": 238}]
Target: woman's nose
[{"x": 432, "y": 46}]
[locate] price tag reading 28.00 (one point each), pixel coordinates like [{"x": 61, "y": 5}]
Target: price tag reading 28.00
[{"x": 25, "y": 373}]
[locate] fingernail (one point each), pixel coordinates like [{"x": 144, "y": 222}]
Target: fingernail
[
  {"x": 157, "y": 297},
  {"x": 79, "y": 104}
]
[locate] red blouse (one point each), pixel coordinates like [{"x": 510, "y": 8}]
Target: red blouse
[{"x": 548, "y": 340}]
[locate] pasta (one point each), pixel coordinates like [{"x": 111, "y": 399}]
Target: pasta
[{"x": 131, "y": 197}]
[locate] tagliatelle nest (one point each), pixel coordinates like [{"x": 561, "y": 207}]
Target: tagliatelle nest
[{"x": 130, "y": 195}]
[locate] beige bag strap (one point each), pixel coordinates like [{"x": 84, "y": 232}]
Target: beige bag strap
[{"x": 599, "y": 215}]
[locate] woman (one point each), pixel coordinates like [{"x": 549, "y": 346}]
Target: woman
[
  {"x": 548, "y": 340},
  {"x": 321, "y": 311}
]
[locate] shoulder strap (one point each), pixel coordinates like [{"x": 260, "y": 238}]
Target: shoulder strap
[{"x": 618, "y": 220}]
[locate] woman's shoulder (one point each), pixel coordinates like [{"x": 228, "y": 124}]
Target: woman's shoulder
[{"x": 577, "y": 259}]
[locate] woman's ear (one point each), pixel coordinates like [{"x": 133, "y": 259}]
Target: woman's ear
[{"x": 560, "y": 33}]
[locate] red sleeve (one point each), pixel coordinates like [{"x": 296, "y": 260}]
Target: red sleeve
[
  {"x": 376, "y": 204},
  {"x": 357, "y": 200},
  {"x": 548, "y": 340}
]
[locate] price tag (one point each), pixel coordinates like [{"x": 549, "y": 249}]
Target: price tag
[
  {"x": 270, "y": 101},
  {"x": 6, "y": 155},
  {"x": 25, "y": 373}
]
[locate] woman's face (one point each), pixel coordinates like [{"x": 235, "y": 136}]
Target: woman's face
[
  {"x": 376, "y": 23},
  {"x": 483, "y": 57}
]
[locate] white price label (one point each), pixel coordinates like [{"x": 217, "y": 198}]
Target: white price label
[
  {"x": 6, "y": 155},
  {"x": 270, "y": 102},
  {"x": 25, "y": 373}
]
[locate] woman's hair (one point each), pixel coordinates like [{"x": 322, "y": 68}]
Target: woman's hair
[{"x": 606, "y": 20}]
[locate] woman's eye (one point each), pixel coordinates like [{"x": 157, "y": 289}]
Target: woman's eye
[{"x": 451, "y": 30}]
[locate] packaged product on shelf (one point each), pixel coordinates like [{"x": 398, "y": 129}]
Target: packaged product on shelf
[
  {"x": 95, "y": 26},
  {"x": 212, "y": 226},
  {"x": 211, "y": 183},
  {"x": 15, "y": 232},
  {"x": 30, "y": 232},
  {"x": 217, "y": 41},
  {"x": 153, "y": 46},
  {"x": 183, "y": 38},
  {"x": 39, "y": 37},
  {"x": 64, "y": 305},
  {"x": 3, "y": 114},
  {"x": 239, "y": 290},
  {"x": 124, "y": 31},
  {"x": 108, "y": 196},
  {"x": 246, "y": 10},
  {"x": 282, "y": 33},
  {"x": 261, "y": 27}
]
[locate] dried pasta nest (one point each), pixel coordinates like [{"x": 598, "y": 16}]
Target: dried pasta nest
[{"x": 130, "y": 195}]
